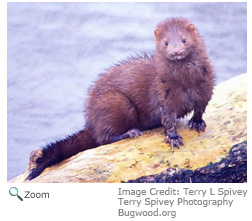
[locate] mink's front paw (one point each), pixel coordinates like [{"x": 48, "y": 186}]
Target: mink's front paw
[
  {"x": 199, "y": 125},
  {"x": 174, "y": 139}
]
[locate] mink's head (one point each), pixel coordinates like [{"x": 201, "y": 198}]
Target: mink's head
[{"x": 176, "y": 38}]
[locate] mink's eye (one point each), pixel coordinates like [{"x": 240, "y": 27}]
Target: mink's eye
[
  {"x": 166, "y": 43},
  {"x": 184, "y": 40}
]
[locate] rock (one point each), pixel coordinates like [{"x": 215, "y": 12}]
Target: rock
[
  {"x": 148, "y": 155},
  {"x": 231, "y": 169}
]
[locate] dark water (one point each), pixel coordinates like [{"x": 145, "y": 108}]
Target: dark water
[{"x": 56, "y": 51}]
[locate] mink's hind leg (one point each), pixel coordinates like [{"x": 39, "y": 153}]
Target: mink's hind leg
[
  {"x": 112, "y": 117},
  {"x": 129, "y": 134}
]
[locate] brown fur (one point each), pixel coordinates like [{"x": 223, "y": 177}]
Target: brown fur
[{"x": 145, "y": 92}]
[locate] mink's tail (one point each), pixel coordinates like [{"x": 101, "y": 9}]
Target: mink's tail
[{"x": 56, "y": 152}]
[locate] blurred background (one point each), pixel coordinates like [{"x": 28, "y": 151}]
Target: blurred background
[{"x": 56, "y": 51}]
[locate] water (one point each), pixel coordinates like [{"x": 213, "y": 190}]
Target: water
[{"x": 56, "y": 51}]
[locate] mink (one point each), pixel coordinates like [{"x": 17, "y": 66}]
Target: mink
[{"x": 141, "y": 93}]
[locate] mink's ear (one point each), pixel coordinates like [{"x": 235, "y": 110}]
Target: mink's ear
[
  {"x": 156, "y": 33},
  {"x": 191, "y": 28}
]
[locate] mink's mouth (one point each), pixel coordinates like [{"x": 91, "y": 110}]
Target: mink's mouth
[{"x": 176, "y": 57}]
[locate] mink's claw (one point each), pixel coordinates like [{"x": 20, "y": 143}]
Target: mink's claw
[
  {"x": 134, "y": 133},
  {"x": 199, "y": 125},
  {"x": 174, "y": 139}
]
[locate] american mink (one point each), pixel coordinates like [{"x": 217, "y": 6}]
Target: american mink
[{"x": 143, "y": 92}]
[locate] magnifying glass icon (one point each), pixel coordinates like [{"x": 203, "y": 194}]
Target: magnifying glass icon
[{"x": 14, "y": 192}]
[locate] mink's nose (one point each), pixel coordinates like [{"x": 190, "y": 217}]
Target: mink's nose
[{"x": 176, "y": 51}]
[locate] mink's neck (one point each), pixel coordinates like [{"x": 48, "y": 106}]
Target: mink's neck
[
  {"x": 176, "y": 70},
  {"x": 166, "y": 66}
]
